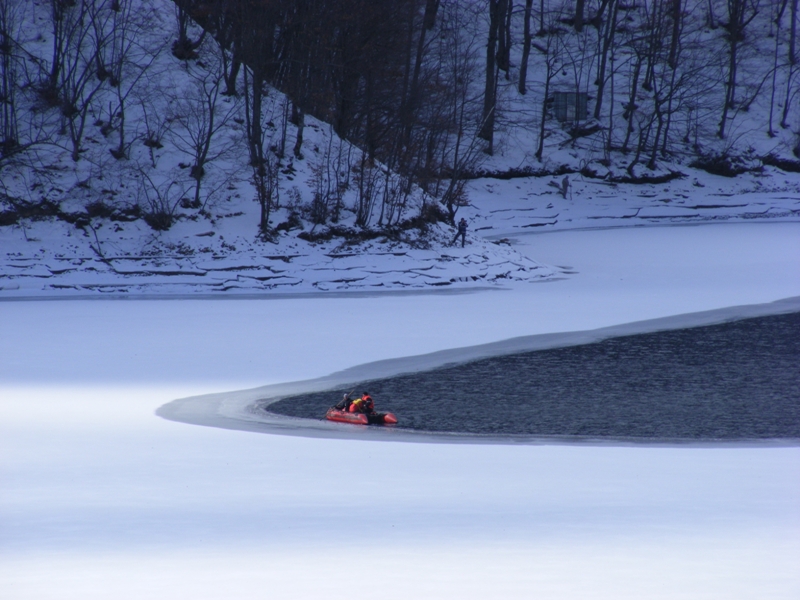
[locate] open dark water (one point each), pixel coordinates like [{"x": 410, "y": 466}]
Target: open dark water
[{"x": 733, "y": 381}]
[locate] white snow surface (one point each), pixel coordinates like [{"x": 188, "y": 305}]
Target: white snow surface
[
  {"x": 49, "y": 258},
  {"x": 102, "y": 499}
]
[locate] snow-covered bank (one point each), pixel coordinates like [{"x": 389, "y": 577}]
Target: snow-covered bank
[
  {"x": 51, "y": 258},
  {"x": 102, "y": 499}
]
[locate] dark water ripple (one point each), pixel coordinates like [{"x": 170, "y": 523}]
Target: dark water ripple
[{"x": 738, "y": 380}]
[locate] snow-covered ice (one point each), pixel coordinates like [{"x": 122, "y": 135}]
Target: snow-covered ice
[{"x": 100, "y": 498}]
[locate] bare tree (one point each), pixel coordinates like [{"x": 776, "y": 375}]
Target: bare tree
[
  {"x": 526, "y": 47},
  {"x": 9, "y": 83},
  {"x": 794, "y": 60},
  {"x": 154, "y": 122},
  {"x": 366, "y": 180},
  {"x": 607, "y": 42},
  {"x": 551, "y": 55},
  {"x": 497, "y": 16},
  {"x": 631, "y": 106},
  {"x": 740, "y": 14},
  {"x": 331, "y": 178},
  {"x": 198, "y": 117},
  {"x": 412, "y": 99},
  {"x": 61, "y": 12},
  {"x": 160, "y": 199},
  {"x": 780, "y": 9},
  {"x": 579, "y": 14},
  {"x": 504, "y": 37},
  {"x": 793, "y": 34},
  {"x": 266, "y": 177},
  {"x": 77, "y": 74},
  {"x": 266, "y": 170},
  {"x": 184, "y": 47},
  {"x": 123, "y": 57},
  {"x": 676, "y": 10}
]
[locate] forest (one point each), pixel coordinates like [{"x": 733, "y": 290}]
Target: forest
[{"x": 420, "y": 95}]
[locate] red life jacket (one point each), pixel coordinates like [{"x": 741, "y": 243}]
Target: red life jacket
[{"x": 369, "y": 405}]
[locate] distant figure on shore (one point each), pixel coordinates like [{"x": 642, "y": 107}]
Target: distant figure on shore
[{"x": 462, "y": 231}]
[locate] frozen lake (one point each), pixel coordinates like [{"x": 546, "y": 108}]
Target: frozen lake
[{"x": 102, "y": 499}]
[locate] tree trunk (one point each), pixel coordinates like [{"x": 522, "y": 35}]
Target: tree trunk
[
  {"x": 579, "y": 10},
  {"x": 120, "y": 153},
  {"x": 541, "y": 31},
  {"x": 787, "y": 101},
  {"x": 549, "y": 62},
  {"x": 253, "y": 101},
  {"x": 428, "y": 22},
  {"x": 58, "y": 14},
  {"x": 677, "y": 17},
  {"x": 609, "y": 32},
  {"x": 712, "y": 20},
  {"x": 8, "y": 84},
  {"x": 730, "y": 85},
  {"x": 256, "y": 134},
  {"x": 738, "y": 19},
  {"x": 793, "y": 35},
  {"x": 630, "y": 109},
  {"x": 490, "y": 90},
  {"x": 609, "y": 138},
  {"x": 543, "y": 120},
  {"x": 404, "y": 98},
  {"x": 660, "y": 116},
  {"x": 504, "y": 35},
  {"x": 526, "y": 48},
  {"x": 668, "y": 124},
  {"x": 233, "y": 74},
  {"x": 779, "y": 18},
  {"x": 644, "y": 136},
  {"x": 298, "y": 144}
]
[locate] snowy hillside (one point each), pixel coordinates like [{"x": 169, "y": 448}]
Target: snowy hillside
[{"x": 140, "y": 180}]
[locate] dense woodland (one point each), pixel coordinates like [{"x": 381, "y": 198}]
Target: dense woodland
[
  {"x": 408, "y": 80},
  {"x": 424, "y": 89}
]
